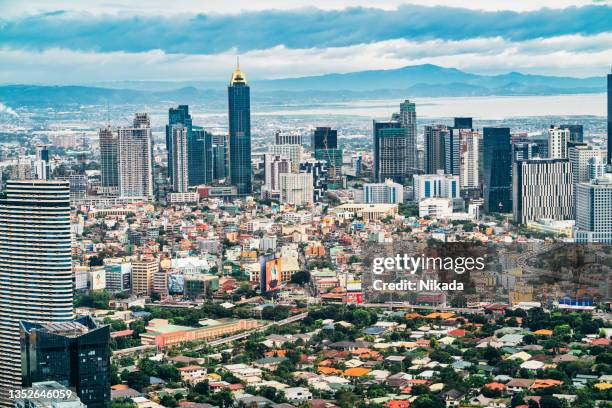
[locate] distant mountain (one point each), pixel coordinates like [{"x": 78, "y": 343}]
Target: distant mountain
[{"x": 410, "y": 81}]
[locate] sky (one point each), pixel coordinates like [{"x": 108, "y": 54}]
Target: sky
[{"x": 85, "y": 42}]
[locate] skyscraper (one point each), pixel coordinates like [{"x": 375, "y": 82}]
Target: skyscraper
[
  {"x": 74, "y": 353},
  {"x": 135, "y": 159},
  {"x": 180, "y": 161},
  {"x": 176, "y": 116},
  {"x": 296, "y": 189},
  {"x": 287, "y": 138},
  {"x": 389, "y": 151},
  {"x": 407, "y": 118},
  {"x": 542, "y": 189},
  {"x": 497, "y": 169},
  {"x": 576, "y": 133},
  {"x": 274, "y": 166},
  {"x": 42, "y": 169},
  {"x": 293, "y": 152},
  {"x": 200, "y": 157},
  {"x": 610, "y": 118},
  {"x": 239, "y": 103},
  {"x": 109, "y": 166},
  {"x": 35, "y": 266},
  {"x": 435, "y": 148},
  {"x": 219, "y": 156},
  {"x": 594, "y": 211},
  {"x": 324, "y": 138},
  {"x": 557, "y": 142}
]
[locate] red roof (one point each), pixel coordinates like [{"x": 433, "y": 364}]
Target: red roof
[
  {"x": 121, "y": 333},
  {"x": 601, "y": 342},
  {"x": 457, "y": 332}
]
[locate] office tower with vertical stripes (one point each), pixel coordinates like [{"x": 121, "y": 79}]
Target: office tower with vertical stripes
[
  {"x": 180, "y": 162},
  {"x": 389, "y": 151},
  {"x": 35, "y": 266},
  {"x": 135, "y": 158},
  {"x": 542, "y": 189},
  {"x": 435, "y": 137},
  {"x": 408, "y": 120},
  {"x": 109, "y": 165},
  {"x": 609, "y": 118}
]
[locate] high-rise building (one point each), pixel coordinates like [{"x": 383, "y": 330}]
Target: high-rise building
[
  {"x": 383, "y": 193},
  {"x": 324, "y": 138},
  {"x": 176, "y": 116},
  {"x": 497, "y": 169},
  {"x": 239, "y": 103},
  {"x": 594, "y": 211},
  {"x": 42, "y": 170},
  {"x": 463, "y": 123},
  {"x": 109, "y": 165},
  {"x": 219, "y": 156},
  {"x": 408, "y": 120},
  {"x": 318, "y": 169},
  {"x": 389, "y": 151},
  {"x": 200, "y": 157},
  {"x": 293, "y": 152},
  {"x": 576, "y": 133},
  {"x": 35, "y": 266},
  {"x": 143, "y": 271},
  {"x": 437, "y": 185},
  {"x": 557, "y": 142},
  {"x": 333, "y": 158},
  {"x": 118, "y": 277},
  {"x": 296, "y": 189},
  {"x": 579, "y": 156},
  {"x": 274, "y": 166},
  {"x": 526, "y": 151},
  {"x": 542, "y": 189},
  {"x": 288, "y": 138},
  {"x": 469, "y": 158},
  {"x": 135, "y": 159},
  {"x": 180, "y": 161},
  {"x": 435, "y": 137},
  {"x": 73, "y": 353},
  {"x": 596, "y": 168},
  {"x": 609, "y": 118}
]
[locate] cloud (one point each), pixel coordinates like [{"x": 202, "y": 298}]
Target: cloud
[
  {"x": 563, "y": 55},
  {"x": 304, "y": 28}
]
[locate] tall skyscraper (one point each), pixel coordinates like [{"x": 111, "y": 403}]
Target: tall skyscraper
[
  {"x": 74, "y": 353},
  {"x": 293, "y": 152},
  {"x": 470, "y": 144},
  {"x": 135, "y": 159},
  {"x": 463, "y": 123},
  {"x": 318, "y": 169},
  {"x": 180, "y": 161},
  {"x": 408, "y": 120},
  {"x": 542, "y": 189},
  {"x": 109, "y": 165},
  {"x": 557, "y": 142},
  {"x": 594, "y": 211},
  {"x": 389, "y": 151},
  {"x": 324, "y": 138},
  {"x": 35, "y": 266},
  {"x": 219, "y": 156},
  {"x": 435, "y": 137},
  {"x": 576, "y": 133},
  {"x": 200, "y": 157},
  {"x": 579, "y": 156},
  {"x": 610, "y": 118},
  {"x": 239, "y": 103},
  {"x": 176, "y": 116},
  {"x": 497, "y": 169}
]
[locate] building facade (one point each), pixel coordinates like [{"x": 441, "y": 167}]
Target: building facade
[
  {"x": 542, "y": 189},
  {"x": 390, "y": 151},
  {"x": 109, "y": 165},
  {"x": 239, "y": 104},
  {"x": 435, "y": 148},
  {"x": 135, "y": 157},
  {"x": 497, "y": 169},
  {"x": 296, "y": 189},
  {"x": 383, "y": 193},
  {"x": 557, "y": 142},
  {"x": 594, "y": 211},
  {"x": 35, "y": 266},
  {"x": 437, "y": 185},
  {"x": 180, "y": 161}
]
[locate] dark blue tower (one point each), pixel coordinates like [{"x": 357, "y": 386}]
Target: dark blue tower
[
  {"x": 177, "y": 116},
  {"x": 239, "y": 104},
  {"x": 497, "y": 169}
]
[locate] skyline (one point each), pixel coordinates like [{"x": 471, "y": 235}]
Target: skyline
[{"x": 71, "y": 43}]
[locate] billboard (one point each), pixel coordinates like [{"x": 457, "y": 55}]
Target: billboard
[
  {"x": 354, "y": 297},
  {"x": 176, "y": 284},
  {"x": 270, "y": 273}
]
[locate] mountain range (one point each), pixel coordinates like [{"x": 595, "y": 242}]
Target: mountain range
[{"x": 410, "y": 81}]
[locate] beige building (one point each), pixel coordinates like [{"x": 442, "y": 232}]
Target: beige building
[{"x": 143, "y": 272}]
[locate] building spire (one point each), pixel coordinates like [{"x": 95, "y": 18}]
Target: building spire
[{"x": 238, "y": 76}]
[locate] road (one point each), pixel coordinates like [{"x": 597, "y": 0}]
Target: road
[{"x": 408, "y": 305}]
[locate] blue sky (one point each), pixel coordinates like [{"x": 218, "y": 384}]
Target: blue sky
[{"x": 71, "y": 41}]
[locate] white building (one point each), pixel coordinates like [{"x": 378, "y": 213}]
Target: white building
[
  {"x": 135, "y": 159},
  {"x": 297, "y": 188},
  {"x": 542, "y": 188},
  {"x": 579, "y": 156},
  {"x": 297, "y": 394},
  {"x": 383, "y": 193},
  {"x": 274, "y": 166},
  {"x": 436, "y": 207},
  {"x": 437, "y": 185},
  {"x": 179, "y": 163},
  {"x": 557, "y": 142},
  {"x": 469, "y": 158},
  {"x": 293, "y": 151},
  {"x": 594, "y": 211}
]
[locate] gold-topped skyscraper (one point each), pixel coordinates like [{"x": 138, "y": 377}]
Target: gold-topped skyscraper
[{"x": 239, "y": 104}]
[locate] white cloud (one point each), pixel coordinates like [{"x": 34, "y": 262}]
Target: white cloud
[
  {"x": 573, "y": 55},
  {"x": 10, "y": 8}
]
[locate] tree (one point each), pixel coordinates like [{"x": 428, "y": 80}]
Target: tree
[
  {"x": 136, "y": 380},
  {"x": 202, "y": 388},
  {"x": 300, "y": 277},
  {"x": 426, "y": 401},
  {"x": 548, "y": 401}
]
